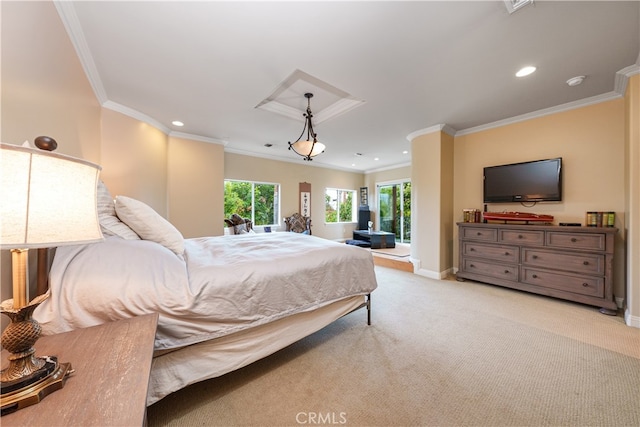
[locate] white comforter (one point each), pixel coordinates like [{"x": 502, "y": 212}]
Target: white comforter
[{"x": 224, "y": 284}]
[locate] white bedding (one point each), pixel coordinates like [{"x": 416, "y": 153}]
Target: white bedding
[{"x": 223, "y": 285}]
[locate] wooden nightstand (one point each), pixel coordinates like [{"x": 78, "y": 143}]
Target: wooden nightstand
[{"x": 112, "y": 363}]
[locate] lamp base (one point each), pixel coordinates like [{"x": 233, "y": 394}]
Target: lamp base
[{"x": 30, "y": 390}]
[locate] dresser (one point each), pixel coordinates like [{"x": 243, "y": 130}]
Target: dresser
[{"x": 572, "y": 263}]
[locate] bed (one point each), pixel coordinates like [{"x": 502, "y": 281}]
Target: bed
[{"x": 223, "y": 302}]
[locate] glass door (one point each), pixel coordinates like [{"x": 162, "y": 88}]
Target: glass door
[{"x": 394, "y": 204}]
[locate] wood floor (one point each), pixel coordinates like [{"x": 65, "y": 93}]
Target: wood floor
[{"x": 394, "y": 261}]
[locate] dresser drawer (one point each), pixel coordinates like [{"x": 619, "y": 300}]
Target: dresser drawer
[
  {"x": 578, "y": 262},
  {"x": 577, "y": 284},
  {"x": 506, "y": 272},
  {"x": 494, "y": 252},
  {"x": 477, "y": 233},
  {"x": 593, "y": 241},
  {"x": 522, "y": 237}
]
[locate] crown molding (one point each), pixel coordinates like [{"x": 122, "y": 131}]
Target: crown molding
[
  {"x": 387, "y": 168},
  {"x": 199, "y": 138},
  {"x": 623, "y": 76},
  {"x": 431, "y": 129},
  {"x": 69, "y": 18},
  {"x": 541, "y": 113},
  {"x": 135, "y": 114}
]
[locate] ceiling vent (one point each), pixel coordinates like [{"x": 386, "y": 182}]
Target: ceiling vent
[{"x": 515, "y": 5}]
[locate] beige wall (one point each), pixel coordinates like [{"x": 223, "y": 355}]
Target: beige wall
[
  {"x": 134, "y": 159},
  {"x": 632, "y": 196},
  {"x": 196, "y": 189},
  {"x": 431, "y": 204},
  {"x": 289, "y": 175},
  {"x": 44, "y": 88},
  {"x": 590, "y": 141}
]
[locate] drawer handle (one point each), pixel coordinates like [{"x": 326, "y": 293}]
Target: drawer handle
[
  {"x": 506, "y": 272},
  {"x": 534, "y": 256},
  {"x": 471, "y": 249},
  {"x": 479, "y": 234},
  {"x": 573, "y": 240},
  {"x": 506, "y": 253},
  {"x": 535, "y": 276},
  {"x": 520, "y": 236},
  {"x": 472, "y": 266},
  {"x": 586, "y": 285},
  {"x": 585, "y": 263}
]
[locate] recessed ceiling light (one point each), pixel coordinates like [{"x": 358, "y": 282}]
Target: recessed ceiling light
[
  {"x": 525, "y": 71},
  {"x": 405, "y": 152},
  {"x": 575, "y": 81},
  {"x": 177, "y": 123},
  {"x": 376, "y": 158}
]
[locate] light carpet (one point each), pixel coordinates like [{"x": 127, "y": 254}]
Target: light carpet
[{"x": 439, "y": 353}]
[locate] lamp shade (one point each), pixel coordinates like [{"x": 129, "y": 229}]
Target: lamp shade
[
  {"x": 308, "y": 148},
  {"x": 46, "y": 199}
]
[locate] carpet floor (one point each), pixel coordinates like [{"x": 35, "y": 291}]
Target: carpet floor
[{"x": 439, "y": 353}]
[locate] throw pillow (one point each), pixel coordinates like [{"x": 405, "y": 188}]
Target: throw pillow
[
  {"x": 149, "y": 224},
  {"x": 110, "y": 224}
]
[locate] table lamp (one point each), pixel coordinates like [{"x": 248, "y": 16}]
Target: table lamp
[{"x": 46, "y": 200}]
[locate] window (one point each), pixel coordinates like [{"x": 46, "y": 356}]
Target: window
[
  {"x": 340, "y": 205},
  {"x": 258, "y": 201},
  {"x": 394, "y": 204}
]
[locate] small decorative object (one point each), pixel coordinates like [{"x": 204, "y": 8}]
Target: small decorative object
[
  {"x": 600, "y": 219},
  {"x": 305, "y": 199},
  {"x": 370, "y": 226},
  {"x": 471, "y": 215},
  {"x": 364, "y": 196},
  {"x": 267, "y": 229}
]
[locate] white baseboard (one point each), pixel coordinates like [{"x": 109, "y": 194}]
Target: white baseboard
[
  {"x": 633, "y": 321},
  {"x": 439, "y": 275}
]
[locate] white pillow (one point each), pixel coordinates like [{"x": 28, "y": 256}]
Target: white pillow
[
  {"x": 110, "y": 224},
  {"x": 149, "y": 224}
]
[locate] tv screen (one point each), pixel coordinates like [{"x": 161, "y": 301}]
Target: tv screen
[{"x": 535, "y": 181}]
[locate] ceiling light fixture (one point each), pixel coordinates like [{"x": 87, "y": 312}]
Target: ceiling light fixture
[
  {"x": 309, "y": 147},
  {"x": 177, "y": 123},
  {"x": 575, "y": 81},
  {"x": 525, "y": 71}
]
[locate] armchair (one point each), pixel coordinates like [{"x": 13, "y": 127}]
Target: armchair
[
  {"x": 298, "y": 224},
  {"x": 238, "y": 225}
]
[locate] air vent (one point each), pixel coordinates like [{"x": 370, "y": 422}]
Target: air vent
[{"x": 515, "y": 5}]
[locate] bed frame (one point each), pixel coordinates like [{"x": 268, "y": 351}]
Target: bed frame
[{"x": 175, "y": 369}]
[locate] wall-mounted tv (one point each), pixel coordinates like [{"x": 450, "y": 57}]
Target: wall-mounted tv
[{"x": 534, "y": 181}]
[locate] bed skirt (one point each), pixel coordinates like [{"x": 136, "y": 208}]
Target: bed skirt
[{"x": 176, "y": 369}]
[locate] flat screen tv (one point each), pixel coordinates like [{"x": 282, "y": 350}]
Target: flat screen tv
[{"x": 534, "y": 181}]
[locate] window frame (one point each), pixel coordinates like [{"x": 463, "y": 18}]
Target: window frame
[
  {"x": 354, "y": 205},
  {"x": 277, "y": 198}
]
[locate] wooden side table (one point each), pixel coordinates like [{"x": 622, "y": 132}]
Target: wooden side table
[{"x": 112, "y": 363}]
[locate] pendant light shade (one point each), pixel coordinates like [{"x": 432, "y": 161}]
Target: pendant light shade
[{"x": 307, "y": 144}]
